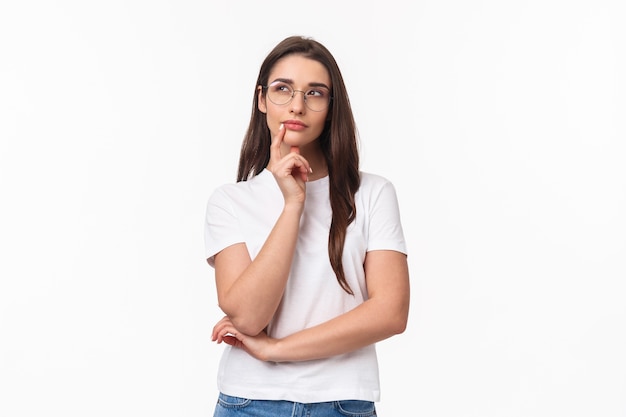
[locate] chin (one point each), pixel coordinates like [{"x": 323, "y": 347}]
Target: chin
[{"x": 291, "y": 141}]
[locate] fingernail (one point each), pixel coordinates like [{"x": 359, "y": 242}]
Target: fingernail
[
  {"x": 310, "y": 170},
  {"x": 281, "y": 127}
]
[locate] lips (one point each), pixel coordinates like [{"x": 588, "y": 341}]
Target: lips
[{"x": 294, "y": 124}]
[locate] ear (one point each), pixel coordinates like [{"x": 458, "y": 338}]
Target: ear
[{"x": 262, "y": 105}]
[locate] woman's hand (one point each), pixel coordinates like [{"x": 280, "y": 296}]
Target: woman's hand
[
  {"x": 259, "y": 346},
  {"x": 291, "y": 171}
]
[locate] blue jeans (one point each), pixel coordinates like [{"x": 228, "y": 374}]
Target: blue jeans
[{"x": 228, "y": 406}]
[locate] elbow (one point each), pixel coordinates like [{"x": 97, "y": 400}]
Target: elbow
[
  {"x": 398, "y": 325},
  {"x": 398, "y": 322},
  {"x": 248, "y": 327},
  {"x": 391, "y": 317},
  {"x": 245, "y": 323}
]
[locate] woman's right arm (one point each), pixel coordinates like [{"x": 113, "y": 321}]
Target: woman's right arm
[{"x": 249, "y": 291}]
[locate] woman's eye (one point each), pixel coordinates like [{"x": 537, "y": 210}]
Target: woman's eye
[
  {"x": 317, "y": 93},
  {"x": 280, "y": 88}
]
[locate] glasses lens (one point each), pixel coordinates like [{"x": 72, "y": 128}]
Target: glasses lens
[
  {"x": 316, "y": 99},
  {"x": 279, "y": 93}
]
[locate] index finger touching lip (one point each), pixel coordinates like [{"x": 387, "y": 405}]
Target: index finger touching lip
[
  {"x": 277, "y": 140},
  {"x": 281, "y": 134}
]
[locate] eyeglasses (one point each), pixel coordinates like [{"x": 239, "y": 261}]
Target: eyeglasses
[{"x": 316, "y": 99}]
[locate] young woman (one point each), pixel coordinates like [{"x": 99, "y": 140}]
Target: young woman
[{"x": 309, "y": 253}]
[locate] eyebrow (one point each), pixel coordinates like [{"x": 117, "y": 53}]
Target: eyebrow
[{"x": 289, "y": 81}]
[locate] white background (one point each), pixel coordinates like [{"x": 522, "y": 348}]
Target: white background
[{"x": 501, "y": 123}]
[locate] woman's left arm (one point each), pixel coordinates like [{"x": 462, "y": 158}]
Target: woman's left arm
[{"x": 382, "y": 315}]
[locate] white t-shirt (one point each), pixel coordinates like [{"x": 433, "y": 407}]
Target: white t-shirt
[{"x": 246, "y": 212}]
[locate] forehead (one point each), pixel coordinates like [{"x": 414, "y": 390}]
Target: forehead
[{"x": 300, "y": 70}]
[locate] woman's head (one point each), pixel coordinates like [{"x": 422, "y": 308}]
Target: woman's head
[
  {"x": 286, "y": 61},
  {"x": 296, "y": 95}
]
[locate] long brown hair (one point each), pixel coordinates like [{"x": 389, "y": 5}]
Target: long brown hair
[{"x": 338, "y": 142}]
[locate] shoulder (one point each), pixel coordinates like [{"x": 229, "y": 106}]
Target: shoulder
[
  {"x": 376, "y": 191},
  {"x": 261, "y": 183},
  {"x": 374, "y": 182},
  {"x": 370, "y": 177}
]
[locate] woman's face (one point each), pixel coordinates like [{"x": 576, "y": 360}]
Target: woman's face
[{"x": 304, "y": 76}]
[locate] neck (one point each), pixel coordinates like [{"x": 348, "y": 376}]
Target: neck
[{"x": 318, "y": 173}]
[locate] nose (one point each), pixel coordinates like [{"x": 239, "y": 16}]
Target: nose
[{"x": 298, "y": 103}]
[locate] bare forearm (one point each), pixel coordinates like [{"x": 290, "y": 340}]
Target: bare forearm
[
  {"x": 369, "y": 323},
  {"x": 254, "y": 296}
]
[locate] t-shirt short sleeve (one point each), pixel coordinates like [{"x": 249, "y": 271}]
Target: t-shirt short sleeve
[
  {"x": 221, "y": 227},
  {"x": 385, "y": 226}
]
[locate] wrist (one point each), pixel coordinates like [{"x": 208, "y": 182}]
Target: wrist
[
  {"x": 276, "y": 350},
  {"x": 293, "y": 208}
]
